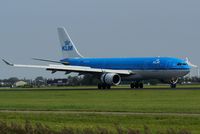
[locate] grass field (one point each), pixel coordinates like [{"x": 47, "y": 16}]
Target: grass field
[
  {"x": 179, "y": 101},
  {"x": 81, "y": 121},
  {"x": 140, "y": 101}
]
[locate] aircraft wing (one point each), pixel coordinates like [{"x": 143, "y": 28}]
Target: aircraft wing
[
  {"x": 45, "y": 60},
  {"x": 70, "y": 68}
]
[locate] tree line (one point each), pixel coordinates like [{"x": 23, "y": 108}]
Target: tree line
[{"x": 83, "y": 80}]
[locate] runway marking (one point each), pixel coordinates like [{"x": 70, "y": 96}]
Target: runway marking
[{"x": 100, "y": 113}]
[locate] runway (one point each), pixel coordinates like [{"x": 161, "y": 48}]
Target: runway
[
  {"x": 100, "y": 113},
  {"x": 93, "y": 88}
]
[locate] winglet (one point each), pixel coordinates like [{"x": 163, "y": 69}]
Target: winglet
[{"x": 8, "y": 63}]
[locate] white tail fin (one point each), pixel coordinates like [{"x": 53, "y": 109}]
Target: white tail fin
[{"x": 68, "y": 48}]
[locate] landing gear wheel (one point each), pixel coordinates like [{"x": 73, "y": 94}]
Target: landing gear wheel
[
  {"x": 173, "y": 82},
  {"x": 99, "y": 86},
  {"x": 108, "y": 86},
  {"x": 173, "y": 85},
  {"x": 137, "y": 85},
  {"x": 104, "y": 86},
  {"x": 132, "y": 85},
  {"x": 141, "y": 85}
]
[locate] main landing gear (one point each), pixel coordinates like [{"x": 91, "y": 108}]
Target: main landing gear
[
  {"x": 104, "y": 86},
  {"x": 137, "y": 85}
]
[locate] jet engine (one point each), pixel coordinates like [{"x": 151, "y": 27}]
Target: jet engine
[{"x": 110, "y": 78}]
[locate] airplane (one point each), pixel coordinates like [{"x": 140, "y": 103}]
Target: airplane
[{"x": 111, "y": 71}]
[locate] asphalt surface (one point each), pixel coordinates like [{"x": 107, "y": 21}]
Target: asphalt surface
[
  {"x": 79, "y": 88},
  {"x": 100, "y": 113}
]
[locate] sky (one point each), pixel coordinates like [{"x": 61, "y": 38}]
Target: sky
[{"x": 99, "y": 28}]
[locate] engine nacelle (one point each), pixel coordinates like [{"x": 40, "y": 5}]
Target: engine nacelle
[{"x": 110, "y": 78}]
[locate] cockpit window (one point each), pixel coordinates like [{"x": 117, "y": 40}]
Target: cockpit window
[{"x": 181, "y": 64}]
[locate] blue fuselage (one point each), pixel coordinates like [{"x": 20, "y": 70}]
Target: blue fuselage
[
  {"x": 157, "y": 63},
  {"x": 151, "y": 67}
]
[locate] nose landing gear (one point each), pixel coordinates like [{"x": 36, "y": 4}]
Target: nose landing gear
[{"x": 173, "y": 83}]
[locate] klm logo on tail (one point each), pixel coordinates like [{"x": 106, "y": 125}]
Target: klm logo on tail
[{"x": 67, "y": 46}]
